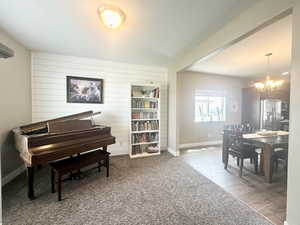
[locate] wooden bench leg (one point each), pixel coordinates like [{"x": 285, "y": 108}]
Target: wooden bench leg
[
  {"x": 261, "y": 163},
  {"x": 256, "y": 164},
  {"x": 107, "y": 166},
  {"x": 59, "y": 187},
  {"x": 52, "y": 181},
  {"x": 99, "y": 167},
  {"x": 226, "y": 158},
  {"x": 241, "y": 167}
]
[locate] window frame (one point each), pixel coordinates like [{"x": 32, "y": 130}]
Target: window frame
[{"x": 208, "y": 95}]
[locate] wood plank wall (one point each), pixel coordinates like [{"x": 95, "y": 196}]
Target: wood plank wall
[{"x": 49, "y": 73}]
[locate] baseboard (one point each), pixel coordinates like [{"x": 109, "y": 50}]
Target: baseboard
[
  {"x": 120, "y": 152},
  {"x": 12, "y": 175},
  {"x": 200, "y": 144},
  {"x": 117, "y": 153},
  {"x": 172, "y": 152}
]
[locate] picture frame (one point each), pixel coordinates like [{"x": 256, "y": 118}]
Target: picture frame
[{"x": 84, "y": 90}]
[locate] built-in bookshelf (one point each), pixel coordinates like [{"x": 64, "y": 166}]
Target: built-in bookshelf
[{"x": 144, "y": 121}]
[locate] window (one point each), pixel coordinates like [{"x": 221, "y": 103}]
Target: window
[{"x": 209, "y": 107}]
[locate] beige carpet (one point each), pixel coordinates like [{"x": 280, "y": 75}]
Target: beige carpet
[{"x": 158, "y": 190}]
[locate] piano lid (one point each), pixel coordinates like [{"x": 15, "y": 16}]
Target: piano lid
[{"x": 44, "y": 124}]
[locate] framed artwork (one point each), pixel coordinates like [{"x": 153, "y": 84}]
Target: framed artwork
[{"x": 84, "y": 90}]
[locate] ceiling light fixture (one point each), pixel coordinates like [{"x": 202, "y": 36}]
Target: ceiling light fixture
[
  {"x": 111, "y": 16},
  {"x": 268, "y": 85}
]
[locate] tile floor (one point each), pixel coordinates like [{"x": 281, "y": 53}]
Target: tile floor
[{"x": 267, "y": 199}]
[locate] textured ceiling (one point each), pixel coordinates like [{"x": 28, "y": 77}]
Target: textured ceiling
[
  {"x": 155, "y": 32},
  {"x": 247, "y": 57}
]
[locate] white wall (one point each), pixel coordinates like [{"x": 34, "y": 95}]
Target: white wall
[
  {"x": 173, "y": 135},
  {"x": 15, "y": 103},
  {"x": 293, "y": 194},
  {"x": 248, "y": 20},
  {"x": 49, "y": 91},
  {"x": 195, "y": 132},
  {"x": 15, "y": 92}
]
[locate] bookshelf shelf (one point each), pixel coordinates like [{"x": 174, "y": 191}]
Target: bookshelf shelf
[
  {"x": 146, "y": 143},
  {"x": 149, "y": 98},
  {"x": 144, "y": 131},
  {"x": 145, "y": 109},
  {"x": 145, "y": 154},
  {"x": 144, "y": 121}
]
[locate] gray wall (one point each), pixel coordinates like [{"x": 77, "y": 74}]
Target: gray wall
[
  {"x": 15, "y": 92},
  {"x": 188, "y": 82}
]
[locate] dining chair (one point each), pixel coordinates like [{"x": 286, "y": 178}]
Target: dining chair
[
  {"x": 280, "y": 154},
  {"x": 237, "y": 148}
]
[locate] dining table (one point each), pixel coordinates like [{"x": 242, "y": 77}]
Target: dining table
[{"x": 268, "y": 143}]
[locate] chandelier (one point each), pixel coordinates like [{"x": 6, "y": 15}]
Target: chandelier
[{"x": 268, "y": 85}]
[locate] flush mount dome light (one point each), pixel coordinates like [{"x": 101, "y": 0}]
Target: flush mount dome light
[{"x": 111, "y": 16}]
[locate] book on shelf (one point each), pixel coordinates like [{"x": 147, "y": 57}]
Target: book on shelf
[
  {"x": 155, "y": 93},
  {"x": 145, "y": 125},
  {"x": 141, "y": 103},
  {"x": 144, "y": 115},
  {"x": 144, "y": 137}
]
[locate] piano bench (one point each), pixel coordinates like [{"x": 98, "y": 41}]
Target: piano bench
[{"x": 72, "y": 164}]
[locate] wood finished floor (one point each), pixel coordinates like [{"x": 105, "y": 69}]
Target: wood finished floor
[{"x": 267, "y": 199}]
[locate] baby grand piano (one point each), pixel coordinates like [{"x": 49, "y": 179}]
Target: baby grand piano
[{"x": 43, "y": 142}]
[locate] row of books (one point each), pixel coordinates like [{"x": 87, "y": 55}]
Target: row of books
[
  {"x": 139, "y": 149},
  {"x": 144, "y": 115},
  {"x": 145, "y": 137},
  {"x": 141, "y": 103},
  {"x": 145, "y": 125}
]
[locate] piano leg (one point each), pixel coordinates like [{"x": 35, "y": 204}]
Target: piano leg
[
  {"x": 105, "y": 148},
  {"x": 30, "y": 175}
]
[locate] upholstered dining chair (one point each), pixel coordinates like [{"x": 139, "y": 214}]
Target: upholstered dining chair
[
  {"x": 280, "y": 154},
  {"x": 237, "y": 148}
]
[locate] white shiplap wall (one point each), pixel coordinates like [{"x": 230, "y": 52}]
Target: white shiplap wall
[{"x": 49, "y": 73}]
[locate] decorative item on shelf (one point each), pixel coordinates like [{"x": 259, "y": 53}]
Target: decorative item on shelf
[
  {"x": 268, "y": 85},
  {"x": 152, "y": 149}
]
